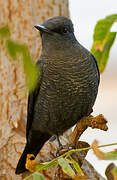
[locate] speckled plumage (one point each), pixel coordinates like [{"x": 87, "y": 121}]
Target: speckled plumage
[{"x": 67, "y": 88}]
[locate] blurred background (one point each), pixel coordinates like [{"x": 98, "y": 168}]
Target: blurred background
[{"x": 84, "y": 15}]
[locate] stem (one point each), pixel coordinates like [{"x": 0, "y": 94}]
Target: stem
[
  {"x": 26, "y": 178},
  {"x": 88, "y": 148},
  {"x": 67, "y": 154},
  {"x": 78, "y": 150},
  {"x": 106, "y": 145}
]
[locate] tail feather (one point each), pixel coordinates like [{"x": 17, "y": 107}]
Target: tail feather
[
  {"x": 22, "y": 161},
  {"x": 34, "y": 147}
]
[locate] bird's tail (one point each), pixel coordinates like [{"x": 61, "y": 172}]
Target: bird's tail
[
  {"x": 31, "y": 148},
  {"x": 22, "y": 161}
]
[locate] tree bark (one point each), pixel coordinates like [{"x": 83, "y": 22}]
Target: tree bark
[{"x": 20, "y": 16}]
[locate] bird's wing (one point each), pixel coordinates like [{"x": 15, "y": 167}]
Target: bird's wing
[
  {"x": 31, "y": 99},
  {"x": 96, "y": 67}
]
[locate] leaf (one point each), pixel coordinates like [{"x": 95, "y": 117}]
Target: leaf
[
  {"x": 38, "y": 176},
  {"x": 101, "y": 155},
  {"x": 4, "y": 32},
  {"x": 80, "y": 175},
  {"x": 76, "y": 166},
  {"x": 103, "y": 40},
  {"x": 103, "y": 26},
  {"x": 44, "y": 166},
  {"x": 66, "y": 167},
  {"x": 114, "y": 172},
  {"x": 102, "y": 56},
  {"x": 111, "y": 155},
  {"x": 20, "y": 51},
  {"x": 16, "y": 51}
]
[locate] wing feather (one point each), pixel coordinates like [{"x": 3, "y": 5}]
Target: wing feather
[
  {"x": 96, "y": 67},
  {"x": 32, "y": 98}
]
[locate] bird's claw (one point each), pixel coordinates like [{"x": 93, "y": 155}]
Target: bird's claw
[{"x": 31, "y": 163}]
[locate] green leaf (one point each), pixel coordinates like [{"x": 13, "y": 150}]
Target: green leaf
[
  {"x": 4, "y": 32},
  {"x": 115, "y": 170},
  {"x": 76, "y": 166},
  {"x": 111, "y": 155},
  {"x": 114, "y": 173},
  {"x": 102, "y": 56},
  {"x": 103, "y": 26},
  {"x": 46, "y": 165},
  {"x": 19, "y": 51},
  {"x": 38, "y": 176},
  {"x": 66, "y": 167},
  {"x": 103, "y": 40}
]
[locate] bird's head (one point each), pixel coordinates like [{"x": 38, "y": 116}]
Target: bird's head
[{"x": 56, "y": 32}]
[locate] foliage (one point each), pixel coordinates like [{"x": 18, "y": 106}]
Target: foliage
[
  {"x": 114, "y": 172},
  {"x": 36, "y": 176},
  {"x": 103, "y": 40},
  {"x": 112, "y": 155},
  {"x": 20, "y": 51},
  {"x": 4, "y": 32},
  {"x": 67, "y": 162},
  {"x": 66, "y": 167}
]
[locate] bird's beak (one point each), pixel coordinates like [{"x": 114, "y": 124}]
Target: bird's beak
[{"x": 42, "y": 28}]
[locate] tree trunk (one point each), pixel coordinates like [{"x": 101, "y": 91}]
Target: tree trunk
[{"x": 20, "y": 15}]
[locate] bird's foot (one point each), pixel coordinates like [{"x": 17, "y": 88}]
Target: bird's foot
[
  {"x": 64, "y": 148},
  {"x": 31, "y": 163}
]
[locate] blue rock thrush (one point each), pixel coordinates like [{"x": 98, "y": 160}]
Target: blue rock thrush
[{"x": 67, "y": 88}]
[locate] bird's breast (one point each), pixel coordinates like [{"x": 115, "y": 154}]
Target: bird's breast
[
  {"x": 67, "y": 93},
  {"x": 71, "y": 83}
]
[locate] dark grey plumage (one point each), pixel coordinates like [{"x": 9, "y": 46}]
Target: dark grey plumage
[{"x": 67, "y": 88}]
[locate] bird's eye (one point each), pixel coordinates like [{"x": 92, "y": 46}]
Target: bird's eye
[{"x": 65, "y": 30}]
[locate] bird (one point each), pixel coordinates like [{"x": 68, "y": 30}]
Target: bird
[{"x": 67, "y": 86}]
